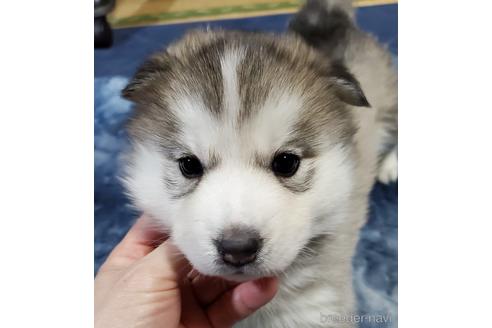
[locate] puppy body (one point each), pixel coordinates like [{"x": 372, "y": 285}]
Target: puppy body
[{"x": 235, "y": 101}]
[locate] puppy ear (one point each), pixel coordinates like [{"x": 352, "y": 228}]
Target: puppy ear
[
  {"x": 153, "y": 69},
  {"x": 347, "y": 88}
]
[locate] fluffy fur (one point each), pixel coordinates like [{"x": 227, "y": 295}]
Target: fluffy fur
[{"x": 234, "y": 100}]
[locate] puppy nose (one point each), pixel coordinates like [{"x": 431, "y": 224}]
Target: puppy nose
[{"x": 239, "y": 247}]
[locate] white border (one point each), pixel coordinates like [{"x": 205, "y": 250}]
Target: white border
[
  {"x": 444, "y": 163},
  {"x": 46, "y": 172}
]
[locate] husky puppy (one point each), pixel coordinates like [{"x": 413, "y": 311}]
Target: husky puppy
[{"x": 257, "y": 152}]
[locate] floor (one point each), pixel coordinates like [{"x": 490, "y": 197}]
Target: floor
[{"x": 375, "y": 264}]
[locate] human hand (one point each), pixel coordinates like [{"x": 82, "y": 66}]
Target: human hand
[{"x": 141, "y": 285}]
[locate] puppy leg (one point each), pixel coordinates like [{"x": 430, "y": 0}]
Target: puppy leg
[{"x": 388, "y": 168}]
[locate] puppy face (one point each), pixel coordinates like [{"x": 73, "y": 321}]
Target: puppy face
[{"x": 242, "y": 149}]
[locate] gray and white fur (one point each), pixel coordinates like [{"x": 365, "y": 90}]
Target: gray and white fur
[{"x": 325, "y": 92}]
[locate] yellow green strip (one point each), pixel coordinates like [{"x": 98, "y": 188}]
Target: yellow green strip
[
  {"x": 200, "y": 13},
  {"x": 234, "y": 11}
]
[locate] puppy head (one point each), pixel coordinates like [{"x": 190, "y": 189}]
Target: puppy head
[{"x": 242, "y": 148}]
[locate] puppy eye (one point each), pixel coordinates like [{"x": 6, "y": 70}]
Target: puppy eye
[
  {"x": 285, "y": 164},
  {"x": 190, "y": 167}
]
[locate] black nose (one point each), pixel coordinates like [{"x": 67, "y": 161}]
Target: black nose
[{"x": 239, "y": 246}]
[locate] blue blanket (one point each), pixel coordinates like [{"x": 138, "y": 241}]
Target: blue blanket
[{"x": 375, "y": 263}]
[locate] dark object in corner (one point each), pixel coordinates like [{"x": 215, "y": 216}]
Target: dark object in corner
[{"x": 103, "y": 35}]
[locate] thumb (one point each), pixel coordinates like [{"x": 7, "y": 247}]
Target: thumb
[{"x": 241, "y": 302}]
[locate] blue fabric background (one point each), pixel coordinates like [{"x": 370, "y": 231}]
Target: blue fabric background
[{"x": 375, "y": 264}]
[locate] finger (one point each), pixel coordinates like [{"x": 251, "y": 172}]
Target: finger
[
  {"x": 145, "y": 232},
  {"x": 140, "y": 240},
  {"x": 163, "y": 270},
  {"x": 166, "y": 262},
  {"x": 208, "y": 289},
  {"x": 241, "y": 302}
]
